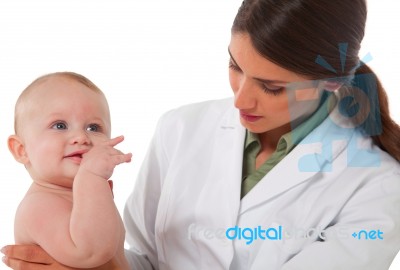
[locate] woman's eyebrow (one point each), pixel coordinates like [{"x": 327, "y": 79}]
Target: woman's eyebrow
[
  {"x": 233, "y": 59},
  {"x": 270, "y": 81},
  {"x": 258, "y": 79}
]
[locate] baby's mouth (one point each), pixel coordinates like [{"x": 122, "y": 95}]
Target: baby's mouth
[{"x": 78, "y": 155}]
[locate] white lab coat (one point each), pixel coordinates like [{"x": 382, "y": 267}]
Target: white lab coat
[{"x": 188, "y": 194}]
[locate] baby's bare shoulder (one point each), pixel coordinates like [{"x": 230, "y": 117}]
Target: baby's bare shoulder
[
  {"x": 38, "y": 208},
  {"x": 41, "y": 199}
]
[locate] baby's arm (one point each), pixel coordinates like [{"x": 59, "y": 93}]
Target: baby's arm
[
  {"x": 96, "y": 226},
  {"x": 89, "y": 233}
]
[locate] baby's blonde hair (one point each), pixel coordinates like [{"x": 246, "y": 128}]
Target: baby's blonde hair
[{"x": 66, "y": 74}]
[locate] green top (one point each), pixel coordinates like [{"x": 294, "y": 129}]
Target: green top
[{"x": 250, "y": 175}]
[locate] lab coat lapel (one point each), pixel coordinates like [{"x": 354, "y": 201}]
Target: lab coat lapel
[
  {"x": 283, "y": 176},
  {"x": 315, "y": 154},
  {"x": 227, "y": 163}
]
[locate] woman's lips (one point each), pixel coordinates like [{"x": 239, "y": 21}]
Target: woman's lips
[{"x": 249, "y": 117}]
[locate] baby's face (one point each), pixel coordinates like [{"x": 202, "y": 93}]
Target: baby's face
[{"x": 61, "y": 118}]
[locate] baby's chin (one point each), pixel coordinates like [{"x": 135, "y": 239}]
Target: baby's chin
[
  {"x": 62, "y": 182},
  {"x": 55, "y": 187}
]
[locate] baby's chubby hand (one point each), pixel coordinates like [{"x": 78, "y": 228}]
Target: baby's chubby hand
[{"x": 102, "y": 158}]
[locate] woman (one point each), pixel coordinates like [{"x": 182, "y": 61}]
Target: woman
[{"x": 299, "y": 171}]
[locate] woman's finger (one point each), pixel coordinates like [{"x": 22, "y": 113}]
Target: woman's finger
[
  {"x": 28, "y": 253},
  {"x": 21, "y": 265},
  {"x": 111, "y": 184}
]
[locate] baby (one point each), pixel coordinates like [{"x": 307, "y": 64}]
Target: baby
[{"x": 62, "y": 136}]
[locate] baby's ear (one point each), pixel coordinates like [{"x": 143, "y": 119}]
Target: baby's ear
[{"x": 17, "y": 149}]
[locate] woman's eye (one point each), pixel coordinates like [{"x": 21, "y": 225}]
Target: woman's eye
[
  {"x": 59, "y": 125},
  {"x": 233, "y": 66},
  {"x": 273, "y": 90},
  {"x": 94, "y": 128}
]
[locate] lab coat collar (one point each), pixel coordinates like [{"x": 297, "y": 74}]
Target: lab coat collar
[{"x": 315, "y": 154}]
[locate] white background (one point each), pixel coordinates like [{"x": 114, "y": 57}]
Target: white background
[{"x": 148, "y": 57}]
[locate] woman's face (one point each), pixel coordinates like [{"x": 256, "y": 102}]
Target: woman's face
[{"x": 269, "y": 97}]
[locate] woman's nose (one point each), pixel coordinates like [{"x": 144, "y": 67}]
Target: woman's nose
[{"x": 244, "y": 96}]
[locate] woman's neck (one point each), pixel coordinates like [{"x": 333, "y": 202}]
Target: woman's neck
[{"x": 269, "y": 140}]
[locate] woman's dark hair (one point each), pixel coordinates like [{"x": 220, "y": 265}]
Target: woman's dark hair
[{"x": 321, "y": 39}]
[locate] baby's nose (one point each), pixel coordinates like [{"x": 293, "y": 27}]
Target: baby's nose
[{"x": 80, "y": 137}]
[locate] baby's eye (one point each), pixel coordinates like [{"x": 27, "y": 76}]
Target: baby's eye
[
  {"x": 59, "y": 125},
  {"x": 94, "y": 128}
]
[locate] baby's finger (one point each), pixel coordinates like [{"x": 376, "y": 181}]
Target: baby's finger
[
  {"x": 124, "y": 158},
  {"x": 114, "y": 141}
]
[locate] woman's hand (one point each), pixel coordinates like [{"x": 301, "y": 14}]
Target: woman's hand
[
  {"x": 33, "y": 257},
  {"x": 29, "y": 257}
]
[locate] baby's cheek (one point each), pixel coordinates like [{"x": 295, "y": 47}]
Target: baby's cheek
[{"x": 98, "y": 138}]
